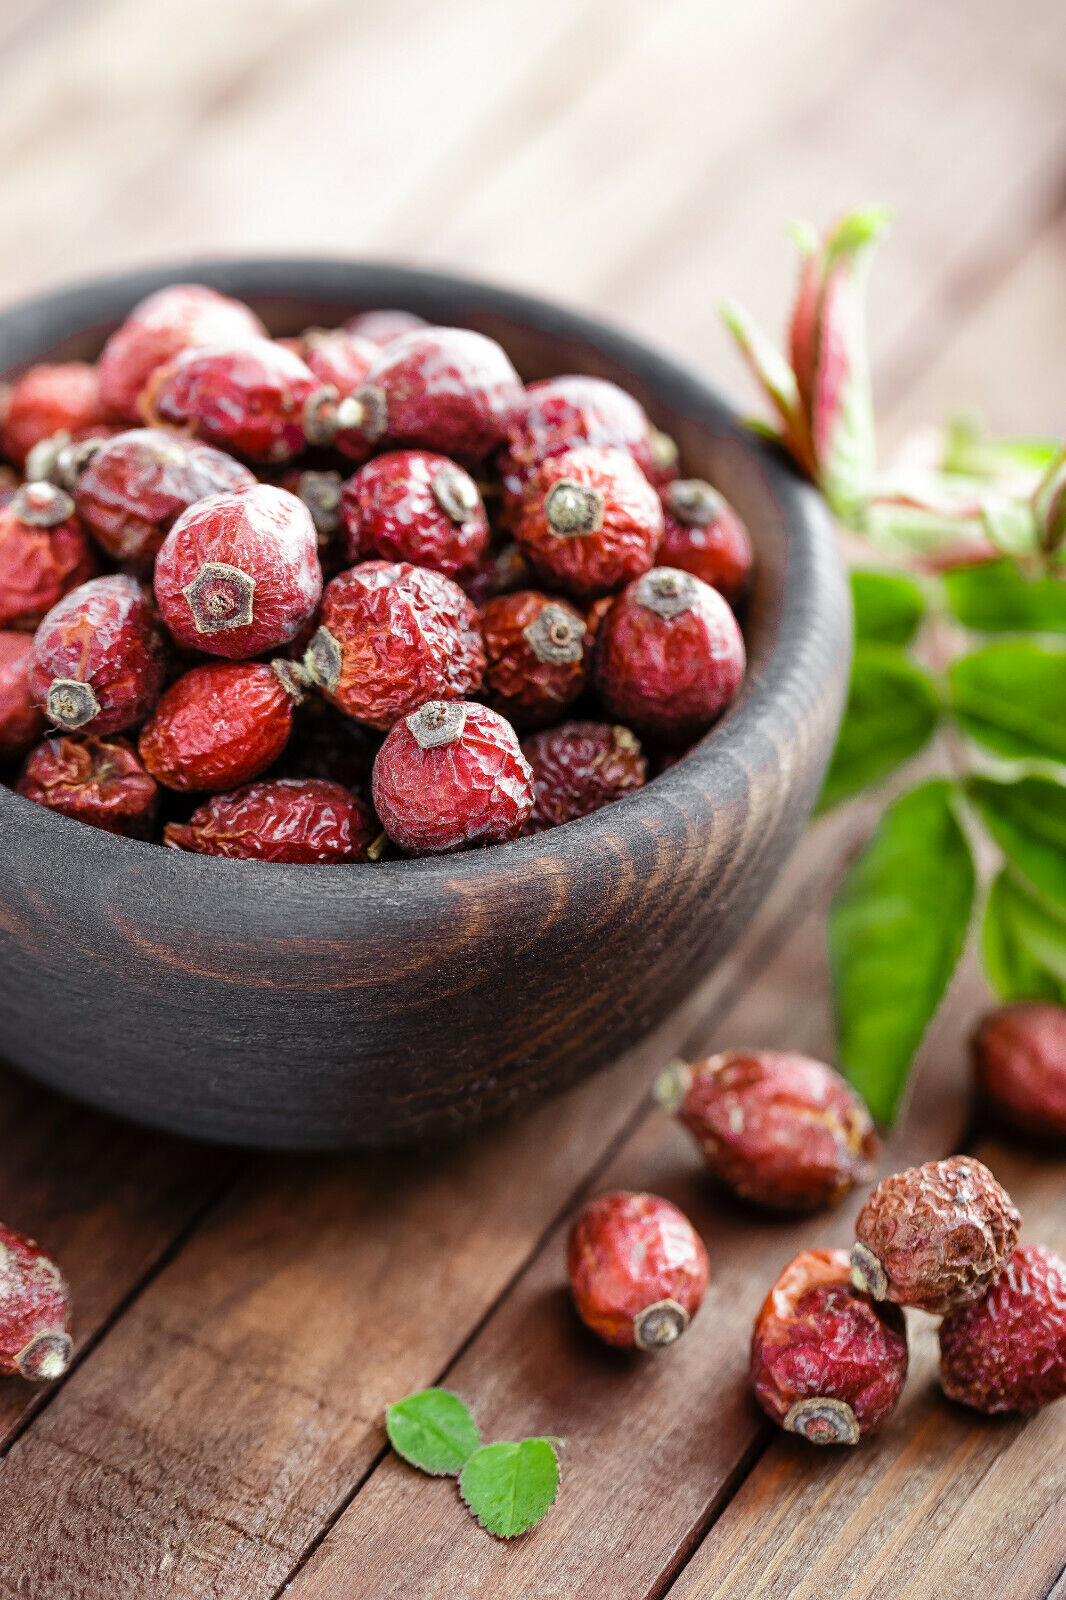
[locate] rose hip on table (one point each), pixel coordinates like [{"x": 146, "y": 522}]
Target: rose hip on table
[
  {"x": 21, "y": 718},
  {"x": 101, "y": 782},
  {"x": 1019, "y": 1063},
  {"x": 778, "y": 1128},
  {"x": 589, "y": 521},
  {"x": 238, "y": 574},
  {"x": 44, "y": 553},
  {"x": 638, "y": 1270},
  {"x": 50, "y": 399},
  {"x": 579, "y": 767},
  {"x": 417, "y": 506},
  {"x": 99, "y": 657},
  {"x": 1007, "y": 1350},
  {"x": 160, "y": 327},
  {"x": 35, "y": 1311},
  {"x": 451, "y": 775},
  {"x": 293, "y": 820},
  {"x": 703, "y": 535},
  {"x": 536, "y": 650},
  {"x": 255, "y": 398},
  {"x": 220, "y": 725},
  {"x": 827, "y": 1361}
]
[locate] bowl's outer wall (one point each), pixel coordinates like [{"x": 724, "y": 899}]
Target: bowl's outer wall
[{"x": 316, "y": 1006}]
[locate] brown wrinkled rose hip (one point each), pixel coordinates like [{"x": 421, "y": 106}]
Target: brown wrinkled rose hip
[
  {"x": 34, "y": 1311},
  {"x": 101, "y": 782},
  {"x": 417, "y": 506},
  {"x": 536, "y": 649},
  {"x": 159, "y": 328},
  {"x": 99, "y": 657},
  {"x": 44, "y": 553},
  {"x": 1019, "y": 1062},
  {"x": 826, "y": 1361},
  {"x": 47, "y": 400},
  {"x": 253, "y": 397},
  {"x": 21, "y": 718},
  {"x": 303, "y": 821},
  {"x": 1007, "y": 1350},
  {"x": 220, "y": 725},
  {"x": 589, "y": 521},
  {"x": 703, "y": 535},
  {"x": 934, "y": 1236},
  {"x": 638, "y": 1270},
  {"x": 579, "y": 767},
  {"x": 779, "y": 1129}
]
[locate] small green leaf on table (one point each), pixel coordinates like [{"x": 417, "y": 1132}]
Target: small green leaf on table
[
  {"x": 1027, "y": 819},
  {"x": 892, "y": 710},
  {"x": 888, "y": 607},
  {"x": 998, "y": 598},
  {"x": 1011, "y": 698},
  {"x": 897, "y": 927},
  {"x": 1023, "y": 944},
  {"x": 433, "y": 1430},
  {"x": 509, "y": 1487}
]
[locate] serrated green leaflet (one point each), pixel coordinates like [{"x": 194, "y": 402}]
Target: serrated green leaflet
[
  {"x": 1015, "y": 927},
  {"x": 892, "y": 709},
  {"x": 1011, "y": 697},
  {"x": 888, "y": 607},
  {"x": 998, "y": 598},
  {"x": 432, "y": 1430},
  {"x": 1027, "y": 819},
  {"x": 509, "y": 1487},
  {"x": 896, "y": 929}
]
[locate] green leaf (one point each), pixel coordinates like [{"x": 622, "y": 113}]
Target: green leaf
[
  {"x": 1023, "y": 944},
  {"x": 892, "y": 709},
  {"x": 1011, "y": 524},
  {"x": 1011, "y": 697},
  {"x": 1027, "y": 819},
  {"x": 509, "y": 1487},
  {"x": 969, "y": 450},
  {"x": 998, "y": 598},
  {"x": 888, "y": 607},
  {"x": 771, "y": 370},
  {"x": 432, "y": 1430},
  {"x": 896, "y": 929}
]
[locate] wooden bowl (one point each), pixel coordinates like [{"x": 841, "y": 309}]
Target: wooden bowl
[{"x": 312, "y": 1007}]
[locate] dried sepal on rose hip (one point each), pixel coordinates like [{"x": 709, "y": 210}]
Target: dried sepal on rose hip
[
  {"x": 703, "y": 535},
  {"x": 21, "y": 718},
  {"x": 417, "y": 506},
  {"x": 1007, "y": 1350},
  {"x": 778, "y": 1128},
  {"x": 451, "y": 775},
  {"x": 159, "y": 328},
  {"x": 35, "y": 1311},
  {"x": 669, "y": 655},
  {"x": 101, "y": 782},
  {"x": 579, "y": 767},
  {"x": 238, "y": 574},
  {"x": 934, "y": 1236},
  {"x": 827, "y": 1362},
  {"x": 392, "y": 636},
  {"x": 638, "y": 1270},
  {"x": 1019, "y": 1063},
  {"x": 255, "y": 398},
  {"x": 536, "y": 650},
  {"x": 46, "y": 400},
  {"x": 99, "y": 657},
  {"x": 220, "y": 724},
  {"x": 589, "y": 521},
  {"x": 303, "y": 821},
  {"x": 44, "y": 553}
]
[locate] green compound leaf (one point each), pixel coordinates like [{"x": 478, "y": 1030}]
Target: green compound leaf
[
  {"x": 897, "y": 927},
  {"x": 432, "y": 1430},
  {"x": 509, "y": 1487},
  {"x": 998, "y": 598},
  {"x": 1027, "y": 819},
  {"x": 1011, "y": 698},
  {"x": 893, "y": 707},
  {"x": 1023, "y": 944},
  {"x": 888, "y": 607}
]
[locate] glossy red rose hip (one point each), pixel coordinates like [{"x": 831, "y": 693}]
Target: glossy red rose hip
[
  {"x": 34, "y": 1311},
  {"x": 579, "y": 767},
  {"x": 561, "y": 414},
  {"x": 173, "y": 319},
  {"x": 48, "y": 400},
  {"x": 417, "y": 506},
  {"x": 703, "y": 535},
  {"x": 44, "y": 553},
  {"x": 295, "y": 820},
  {"x": 99, "y": 657},
  {"x": 220, "y": 725},
  {"x": 1007, "y": 1350},
  {"x": 21, "y": 718},
  {"x": 1019, "y": 1062},
  {"x": 638, "y": 1270},
  {"x": 239, "y": 574},
  {"x": 101, "y": 782},
  {"x": 536, "y": 648},
  {"x": 251, "y": 397},
  {"x": 451, "y": 775},
  {"x": 590, "y": 521}
]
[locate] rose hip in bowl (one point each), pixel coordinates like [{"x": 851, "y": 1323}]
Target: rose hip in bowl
[
  {"x": 703, "y": 535},
  {"x": 251, "y": 397},
  {"x": 21, "y": 718},
  {"x": 48, "y": 400},
  {"x": 157, "y": 329},
  {"x": 304, "y": 821},
  {"x": 579, "y": 767},
  {"x": 417, "y": 506},
  {"x": 99, "y": 657},
  {"x": 536, "y": 648},
  {"x": 590, "y": 521},
  {"x": 560, "y": 414},
  {"x": 44, "y": 553},
  {"x": 220, "y": 725},
  {"x": 101, "y": 782}
]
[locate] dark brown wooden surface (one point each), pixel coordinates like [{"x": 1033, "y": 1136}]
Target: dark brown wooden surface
[{"x": 242, "y": 1322}]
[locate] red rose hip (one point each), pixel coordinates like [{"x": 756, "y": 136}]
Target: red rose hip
[
  {"x": 99, "y": 658},
  {"x": 304, "y": 821},
  {"x": 391, "y": 637},
  {"x": 21, "y": 718},
  {"x": 669, "y": 655},
  {"x": 382, "y": 327},
  {"x": 44, "y": 553},
  {"x": 173, "y": 319},
  {"x": 254, "y": 398},
  {"x": 1019, "y": 1062},
  {"x": 779, "y": 1129},
  {"x": 220, "y": 725},
  {"x": 638, "y": 1270},
  {"x": 703, "y": 535},
  {"x": 590, "y": 521},
  {"x": 826, "y": 1361},
  {"x": 536, "y": 649},
  {"x": 47, "y": 400},
  {"x": 451, "y": 775},
  {"x": 417, "y": 506},
  {"x": 34, "y": 1311},
  {"x": 239, "y": 573},
  {"x": 561, "y": 414},
  {"x": 101, "y": 782},
  {"x": 1007, "y": 1350},
  {"x": 579, "y": 767}
]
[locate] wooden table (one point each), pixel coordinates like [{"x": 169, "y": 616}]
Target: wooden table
[{"x": 243, "y": 1320}]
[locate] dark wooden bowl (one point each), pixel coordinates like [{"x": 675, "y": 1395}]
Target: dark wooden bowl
[{"x": 324, "y": 1006}]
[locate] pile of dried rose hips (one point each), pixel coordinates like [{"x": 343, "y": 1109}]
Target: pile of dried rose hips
[{"x": 488, "y": 554}]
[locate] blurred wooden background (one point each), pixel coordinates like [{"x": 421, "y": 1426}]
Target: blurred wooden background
[{"x": 242, "y": 1322}]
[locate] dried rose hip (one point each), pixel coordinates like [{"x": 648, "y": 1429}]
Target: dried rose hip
[
  {"x": 501, "y": 572},
  {"x": 134, "y": 487},
  {"x": 826, "y": 1361},
  {"x": 336, "y": 356},
  {"x": 536, "y": 652},
  {"x": 295, "y": 820},
  {"x": 414, "y": 505},
  {"x": 97, "y": 781},
  {"x": 253, "y": 397},
  {"x": 703, "y": 535},
  {"x": 1007, "y": 1350},
  {"x": 391, "y": 637},
  {"x": 46, "y": 400},
  {"x": 1019, "y": 1061},
  {"x": 239, "y": 574},
  {"x": 450, "y": 775},
  {"x": 21, "y": 718},
  {"x": 638, "y": 1270},
  {"x": 99, "y": 657},
  {"x": 590, "y": 521},
  {"x": 935, "y": 1236},
  {"x": 778, "y": 1128},
  {"x": 34, "y": 1310},
  {"x": 669, "y": 655},
  {"x": 220, "y": 725},
  {"x": 159, "y": 328},
  {"x": 561, "y": 414},
  {"x": 382, "y": 327},
  {"x": 44, "y": 552},
  {"x": 579, "y": 767}
]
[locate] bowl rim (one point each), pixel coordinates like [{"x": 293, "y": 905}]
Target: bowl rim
[{"x": 810, "y": 581}]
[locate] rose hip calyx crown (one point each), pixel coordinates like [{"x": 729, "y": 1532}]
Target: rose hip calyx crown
[
  {"x": 693, "y": 502},
  {"x": 323, "y": 661},
  {"x": 456, "y": 493},
  {"x": 556, "y": 637},
  {"x": 42, "y": 505},
  {"x": 437, "y": 723},
  {"x": 659, "y": 1325},
  {"x": 321, "y": 494},
  {"x": 667, "y": 591},
  {"x": 71, "y": 703},
  {"x": 220, "y": 597},
  {"x": 822, "y": 1420},
  {"x": 573, "y": 510}
]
